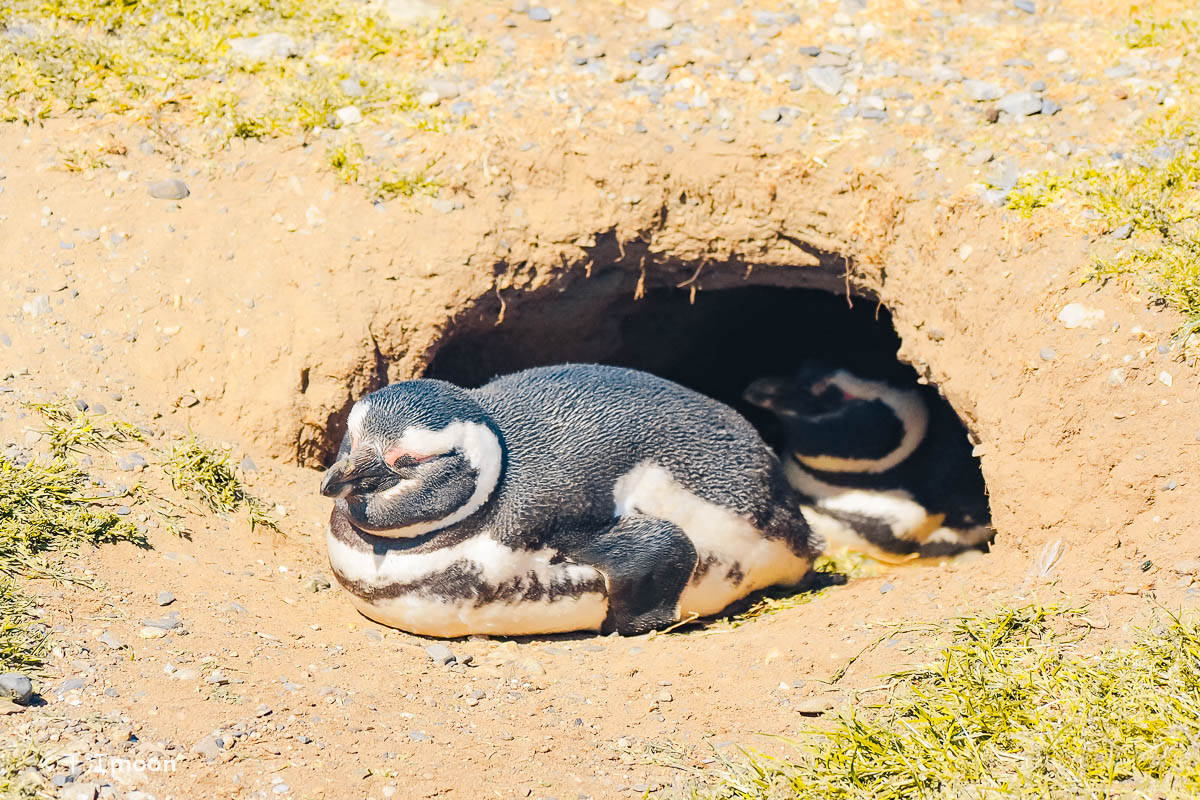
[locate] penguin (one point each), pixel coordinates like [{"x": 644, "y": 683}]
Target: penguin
[
  {"x": 564, "y": 498},
  {"x": 885, "y": 466}
]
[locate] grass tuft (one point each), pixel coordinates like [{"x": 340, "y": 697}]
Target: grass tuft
[
  {"x": 1009, "y": 708},
  {"x": 72, "y": 431},
  {"x": 43, "y": 509},
  {"x": 205, "y": 474},
  {"x": 22, "y": 645},
  {"x": 19, "y": 776}
]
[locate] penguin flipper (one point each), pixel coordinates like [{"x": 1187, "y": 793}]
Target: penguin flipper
[{"x": 647, "y": 563}]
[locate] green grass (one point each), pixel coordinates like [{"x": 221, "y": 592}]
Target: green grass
[
  {"x": 171, "y": 63},
  {"x": 205, "y": 475},
  {"x": 16, "y": 761},
  {"x": 1157, "y": 193},
  {"x": 44, "y": 512},
  {"x": 72, "y": 431},
  {"x": 22, "y": 646},
  {"x": 1011, "y": 707},
  {"x": 1033, "y": 191},
  {"x": 44, "y": 509}
]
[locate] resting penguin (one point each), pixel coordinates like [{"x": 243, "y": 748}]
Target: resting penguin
[
  {"x": 884, "y": 468},
  {"x": 575, "y": 497}
]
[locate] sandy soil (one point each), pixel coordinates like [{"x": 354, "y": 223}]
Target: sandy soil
[{"x": 242, "y": 314}]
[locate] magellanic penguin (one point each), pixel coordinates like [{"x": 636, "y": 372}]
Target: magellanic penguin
[
  {"x": 574, "y": 497},
  {"x": 885, "y": 468}
]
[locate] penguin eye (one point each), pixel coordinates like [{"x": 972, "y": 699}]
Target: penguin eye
[{"x": 399, "y": 457}]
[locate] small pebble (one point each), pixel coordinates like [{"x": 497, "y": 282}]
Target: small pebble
[
  {"x": 111, "y": 641},
  {"x": 540, "y": 14},
  {"x": 1028, "y": 6},
  {"x": 171, "y": 189},
  {"x": 165, "y": 598},
  {"x": 1047, "y": 353},
  {"x": 440, "y": 653},
  {"x": 659, "y": 19},
  {"x": 133, "y": 462}
]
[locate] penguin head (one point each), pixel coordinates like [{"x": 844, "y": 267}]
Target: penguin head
[
  {"x": 836, "y": 421},
  {"x": 417, "y": 456}
]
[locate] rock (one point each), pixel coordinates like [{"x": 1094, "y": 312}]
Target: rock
[
  {"x": 446, "y": 89},
  {"x": 71, "y": 684},
  {"x": 248, "y": 464},
  {"x": 1164, "y": 378},
  {"x": 746, "y": 75},
  {"x": 442, "y": 206},
  {"x": 418, "y": 736},
  {"x": 1058, "y": 56},
  {"x": 262, "y": 710},
  {"x": 170, "y": 189},
  {"x": 440, "y": 653},
  {"x": 348, "y": 115},
  {"x": 1020, "y": 104},
  {"x": 79, "y": 791},
  {"x": 38, "y": 306},
  {"x": 1116, "y": 377},
  {"x": 16, "y": 687},
  {"x": 1189, "y": 566},
  {"x": 814, "y": 706},
  {"x": 207, "y": 747},
  {"x": 1047, "y": 353},
  {"x": 659, "y": 19},
  {"x": 886, "y": 587},
  {"x": 167, "y": 623},
  {"x": 1077, "y": 315},
  {"x": 664, "y": 697},
  {"x": 770, "y": 115},
  {"x": 408, "y": 11},
  {"x": 134, "y": 462},
  {"x": 165, "y": 598},
  {"x": 828, "y": 79},
  {"x": 113, "y": 643},
  {"x": 655, "y": 73},
  {"x": 152, "y": 633},
  {"x": 981, "y": 91},
  {"x": 265, "y": 46},
  {"x": 1028, "y": 6},
  {"x": 539, "y": 14},
  {"x": 1122, "y": 231}
]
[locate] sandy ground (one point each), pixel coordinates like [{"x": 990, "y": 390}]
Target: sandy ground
[{"x": 255, "y": 309}]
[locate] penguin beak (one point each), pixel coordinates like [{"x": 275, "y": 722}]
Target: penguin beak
[{"x": 340, "y": 480}]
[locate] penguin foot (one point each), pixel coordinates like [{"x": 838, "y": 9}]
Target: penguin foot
[{"x": 647, "y": 563}]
